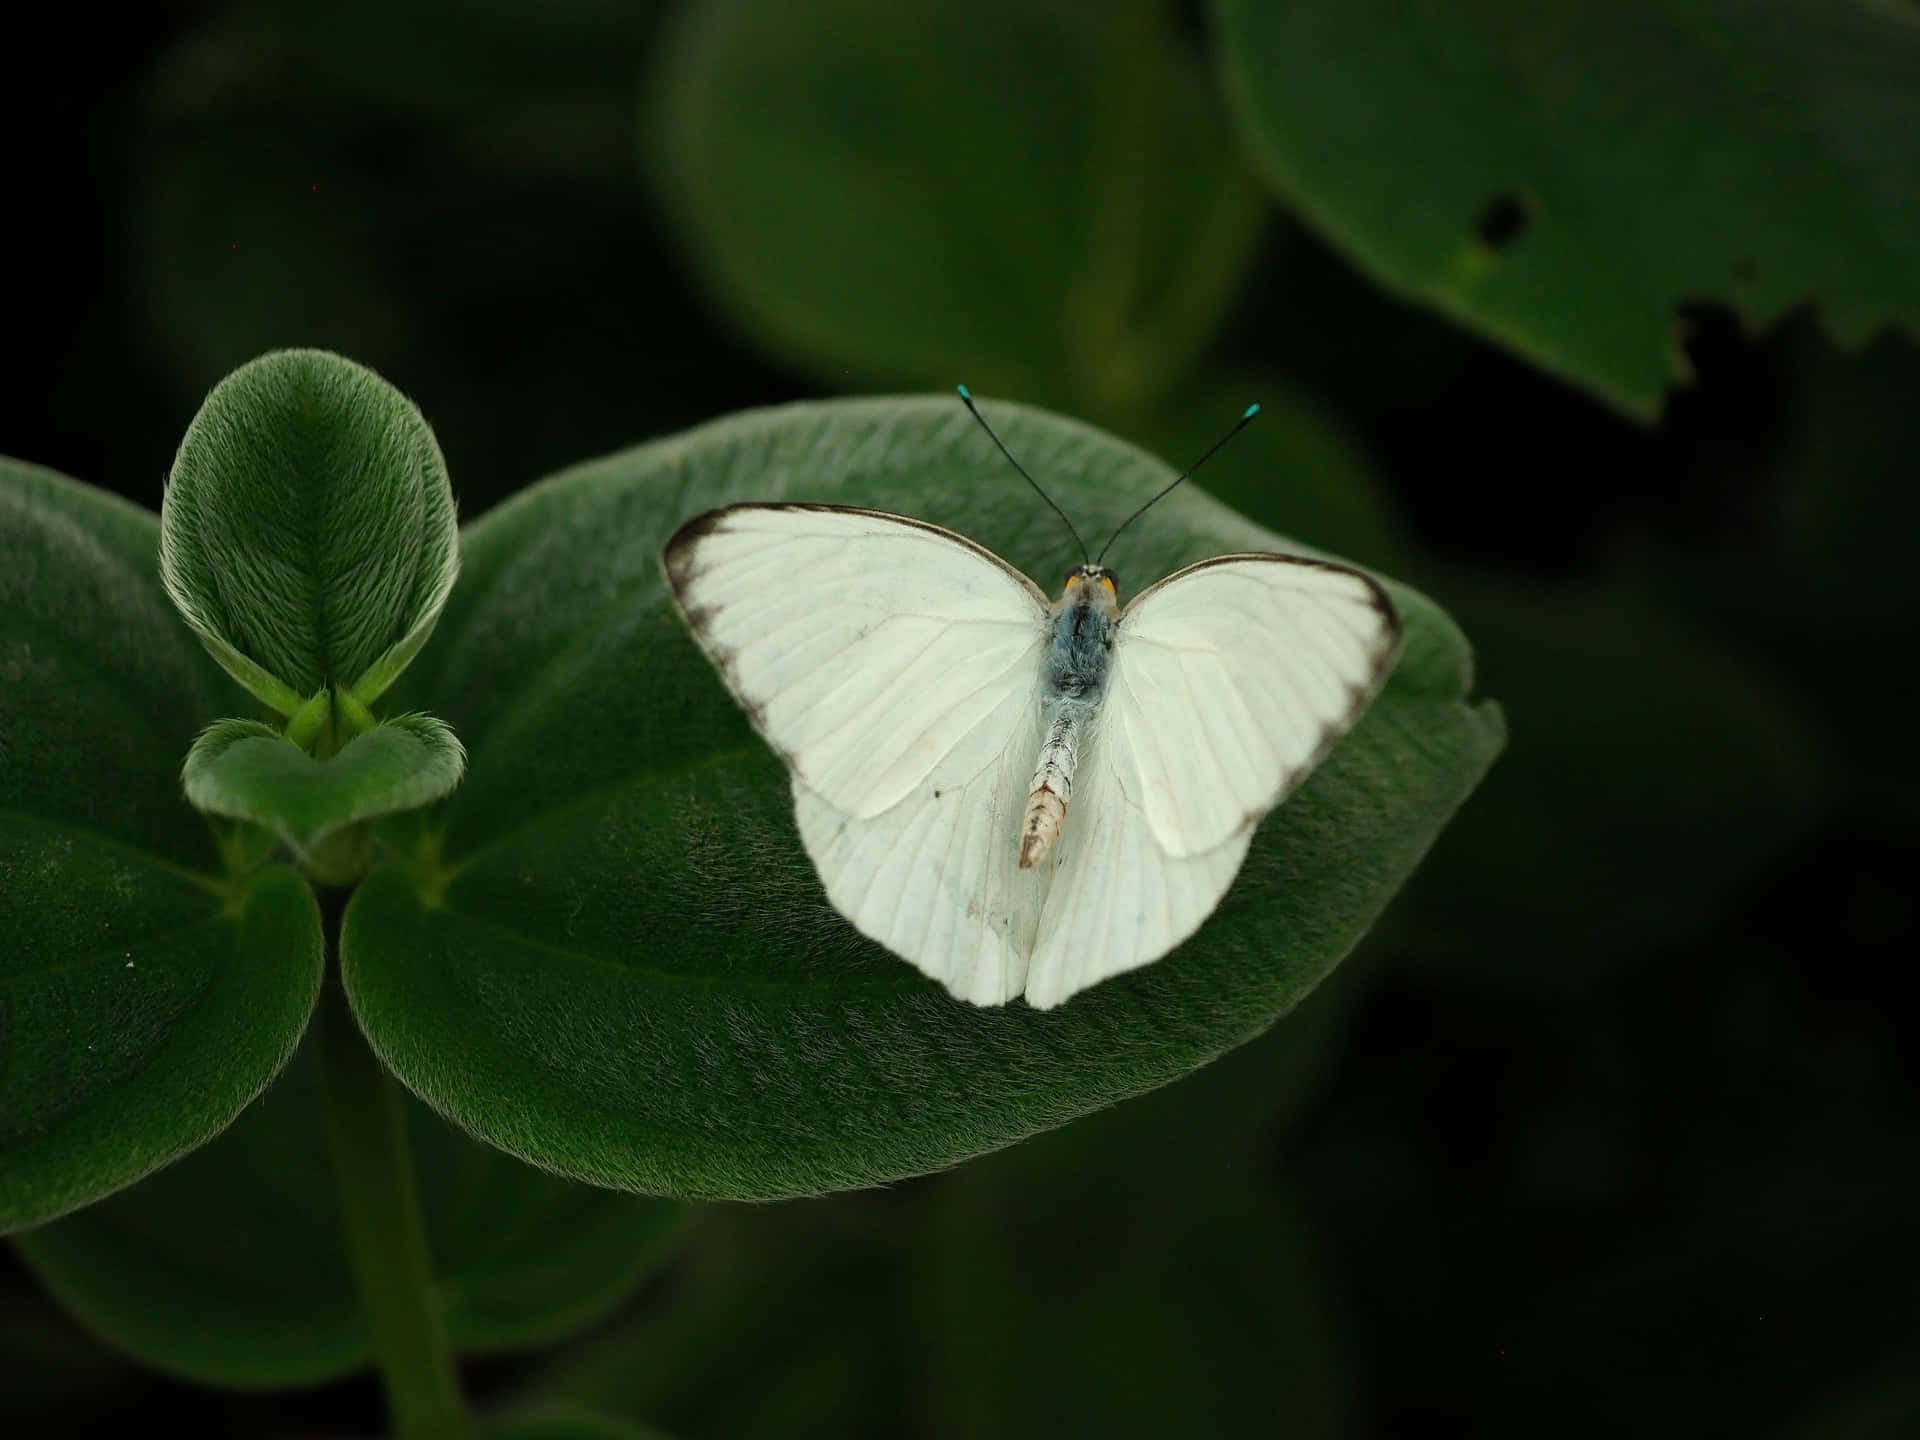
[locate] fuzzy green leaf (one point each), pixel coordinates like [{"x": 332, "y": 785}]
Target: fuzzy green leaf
[
  {"x": 230, "y": 1267},
  {"x": 861, "y": 185},
  {"x": 621, "y": 965},
  {"x": 1561, "y": 178},
  {"x": 307, "y": 534},
  {"x": 249, "y": 771},
  {"x": 143, "y": 1000},
  {"x": 139, "y": 1015}
]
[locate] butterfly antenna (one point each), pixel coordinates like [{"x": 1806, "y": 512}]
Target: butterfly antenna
[
  {"x": 966, "y": 398},
  {"x": 1245, "y": 420}
]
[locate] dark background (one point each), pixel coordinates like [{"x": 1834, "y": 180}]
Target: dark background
[{"x": 1611, "y": 1126}]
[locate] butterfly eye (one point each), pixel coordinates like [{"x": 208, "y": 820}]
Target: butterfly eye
[{"x": 1107, "y": 580}]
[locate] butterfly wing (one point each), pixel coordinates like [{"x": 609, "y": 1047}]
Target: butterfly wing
[
  {"x": 937, "y": 878},
  {"x": 895, "y": 667},
  {"x": 1230, "y": 680}
]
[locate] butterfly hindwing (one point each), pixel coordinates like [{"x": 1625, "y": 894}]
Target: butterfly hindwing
[
  {"x": 937, "y": 878},
  {"x": 1118, "y": 901}
]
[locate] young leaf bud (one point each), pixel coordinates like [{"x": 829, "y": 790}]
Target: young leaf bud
[{"x": 308, "y": 534}]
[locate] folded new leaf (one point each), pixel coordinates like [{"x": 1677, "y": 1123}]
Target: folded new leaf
[{"x": 249, "y": 771}]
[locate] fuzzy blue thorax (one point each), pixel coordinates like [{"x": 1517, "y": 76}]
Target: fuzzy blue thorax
[
  {"x": 1078, "y": 654},
  {"x": 1082, "y": 621}
]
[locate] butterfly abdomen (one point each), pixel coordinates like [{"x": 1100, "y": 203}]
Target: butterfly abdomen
[
  {"x": 1076, "y": 679},
  {"x": 1052, "y": 787}
]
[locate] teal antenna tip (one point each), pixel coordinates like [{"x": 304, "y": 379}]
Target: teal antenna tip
[
  {"x": 1252, "y": 410},
  {"x": 965, "y": 393}
]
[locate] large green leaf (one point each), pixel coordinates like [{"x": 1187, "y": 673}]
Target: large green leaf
[
  {"x": 619, "y": 963},
  {"x": 230, "y": 1267},
  {"x": 1562, "y": 177},
  {"x": 1041, "y": 196},
  {"x": 143, "y": 998}
]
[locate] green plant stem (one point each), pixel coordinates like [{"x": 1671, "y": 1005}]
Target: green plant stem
[{"x": 385, "y": 1234}]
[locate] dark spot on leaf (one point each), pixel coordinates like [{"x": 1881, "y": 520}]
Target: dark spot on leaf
[{"x": 1503, "y": 222}]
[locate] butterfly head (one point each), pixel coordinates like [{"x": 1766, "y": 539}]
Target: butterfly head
[{"x": 1091, "y": 586}]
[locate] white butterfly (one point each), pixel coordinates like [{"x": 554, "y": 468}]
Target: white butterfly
[{"x": 1017, "y": 796}]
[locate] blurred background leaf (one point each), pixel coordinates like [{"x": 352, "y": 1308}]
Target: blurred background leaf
[
  {"x": 1563, "y": 176},
  {"x": 859, "y": 185}
]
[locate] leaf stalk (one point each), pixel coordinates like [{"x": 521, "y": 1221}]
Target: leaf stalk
[{"x": 386, "y": 1236}]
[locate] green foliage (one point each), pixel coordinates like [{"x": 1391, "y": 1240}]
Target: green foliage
[
  {"x": 1561, "y": 177},
  {"x": 616, "y": 962},
  {"x": 249, "y": 771},
  {"x": 307, "y": 533},
  {"x": 142, "y": 1003},
  {"x": 101, "y": 691},
  {"x": 141, "y": 1013},
  {"x": 1632, "y": 1034},
  {"x": 230, "y": 1267},
  {"x": 866, "y": 189}
]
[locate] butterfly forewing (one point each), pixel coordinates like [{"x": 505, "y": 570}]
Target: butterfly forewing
[
  {"x": 1230, "y": 680},
  {"x": 865, "y": 647}
]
